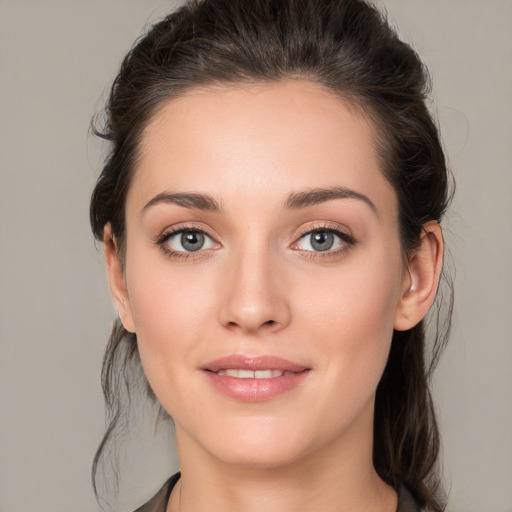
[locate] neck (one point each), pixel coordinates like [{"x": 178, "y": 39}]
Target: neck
[{"x": 338, "y": 477}]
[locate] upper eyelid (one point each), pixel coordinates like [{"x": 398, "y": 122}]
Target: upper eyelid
[
  {"x": 167, "y": 234},
  {"x": 324, "y": 226},
  {"x": 345, "y": 235},
  {"x": 173, "y": 230}
]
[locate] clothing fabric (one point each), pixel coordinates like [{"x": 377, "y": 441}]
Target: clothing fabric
[{"x": 158, "y": 503}]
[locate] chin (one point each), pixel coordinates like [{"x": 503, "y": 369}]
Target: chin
[
  {"x": 261, "y": 444},
  {"x": 259, "y": 457}
]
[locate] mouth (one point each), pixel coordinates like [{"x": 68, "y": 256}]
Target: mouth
[
  {"x": 248, "y": 366},
  {"x": 254, "y": 379},
  {"x": 258, "y": 374}
]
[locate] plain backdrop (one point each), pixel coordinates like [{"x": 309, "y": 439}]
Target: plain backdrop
[{"x": 57, "y": 60}]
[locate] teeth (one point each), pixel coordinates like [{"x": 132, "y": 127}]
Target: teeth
[
  {"x": 267, "y": 374},
  {"x": 249, "y": 374}
]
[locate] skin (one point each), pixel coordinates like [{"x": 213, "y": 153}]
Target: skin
[{"x": 259, "y": 287}]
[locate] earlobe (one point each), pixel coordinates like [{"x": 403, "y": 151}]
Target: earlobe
[
  {"x": 420, "y": 286},
  {"x": 116, "y": 279}
]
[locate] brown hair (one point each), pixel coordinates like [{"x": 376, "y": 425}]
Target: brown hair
[{"x": 348, "y": 47}]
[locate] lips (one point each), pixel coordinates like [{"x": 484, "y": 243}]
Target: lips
[
  {"x": 254, "y": 379},
  {"x": 254, "y": 363},
  {"x": 249, "y": 374}
]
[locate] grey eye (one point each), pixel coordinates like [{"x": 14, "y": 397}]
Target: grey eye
[
  {"x": 192, "y": 240},
  {"x": 188, "y": 240},
  {"x": 321, "y": 240}
]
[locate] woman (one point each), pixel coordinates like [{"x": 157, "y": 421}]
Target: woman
[{"x": 270, "y": 211}]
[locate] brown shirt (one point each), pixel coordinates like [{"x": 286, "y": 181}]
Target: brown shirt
[{"x": 158, "y": 503}]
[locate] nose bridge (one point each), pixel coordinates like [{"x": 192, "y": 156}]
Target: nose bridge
[{"x": 253, "y": 297}]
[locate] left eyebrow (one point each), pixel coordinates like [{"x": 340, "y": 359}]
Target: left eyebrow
[{"x": 315, "y": 196}]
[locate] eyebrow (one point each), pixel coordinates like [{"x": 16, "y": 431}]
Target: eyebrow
[
  {"x": 295, "y": 201},
  {"x": 316, "y": 196},
  {"x": 186, "y": 199}
]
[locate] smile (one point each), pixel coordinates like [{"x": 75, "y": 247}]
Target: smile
[
  {"x": 254, "y": 379},
  {"x": 258, "y": 374}
]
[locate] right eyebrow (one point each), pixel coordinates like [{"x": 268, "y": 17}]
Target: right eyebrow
[{"x": 192, "y": 200}]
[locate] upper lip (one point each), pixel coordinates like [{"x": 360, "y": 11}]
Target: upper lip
[{"x": 254, "y": 363}]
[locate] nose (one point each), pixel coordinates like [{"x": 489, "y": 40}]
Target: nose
[{"x": 254, "y": 297}]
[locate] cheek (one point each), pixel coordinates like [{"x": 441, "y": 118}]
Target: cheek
[
  {"x": 359, "y": 295},
  {"x": 353, "y": 319},
  {"x": 164, "y": 296},
  {"x": 169, "y": 313}
]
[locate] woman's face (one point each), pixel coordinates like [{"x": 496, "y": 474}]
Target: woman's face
[{"x": 263, "y": 270}]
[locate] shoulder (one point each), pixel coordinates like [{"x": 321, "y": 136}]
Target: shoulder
[{"x": 158, "y": 503}]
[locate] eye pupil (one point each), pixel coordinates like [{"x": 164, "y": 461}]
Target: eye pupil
[
  {"x": 322, "y": 240},
  {"x": 192, "y": 240}
]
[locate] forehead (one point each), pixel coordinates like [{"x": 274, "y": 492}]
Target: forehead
[{"x": 259, "y": 139}]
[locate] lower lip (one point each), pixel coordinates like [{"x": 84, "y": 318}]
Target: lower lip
[{"x": 255, "y": 390}]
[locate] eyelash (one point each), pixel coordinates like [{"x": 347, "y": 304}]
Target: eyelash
[
  {"x": 347, "y": 239},
  {"x": 184, "y": 255}
]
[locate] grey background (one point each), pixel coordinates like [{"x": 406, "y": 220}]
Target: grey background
[{"x": 57, "y": 58}]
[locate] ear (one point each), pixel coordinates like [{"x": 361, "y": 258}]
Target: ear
[
  {"x": 116, "y": 279},
  {"x": 420, "y": 286}
]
